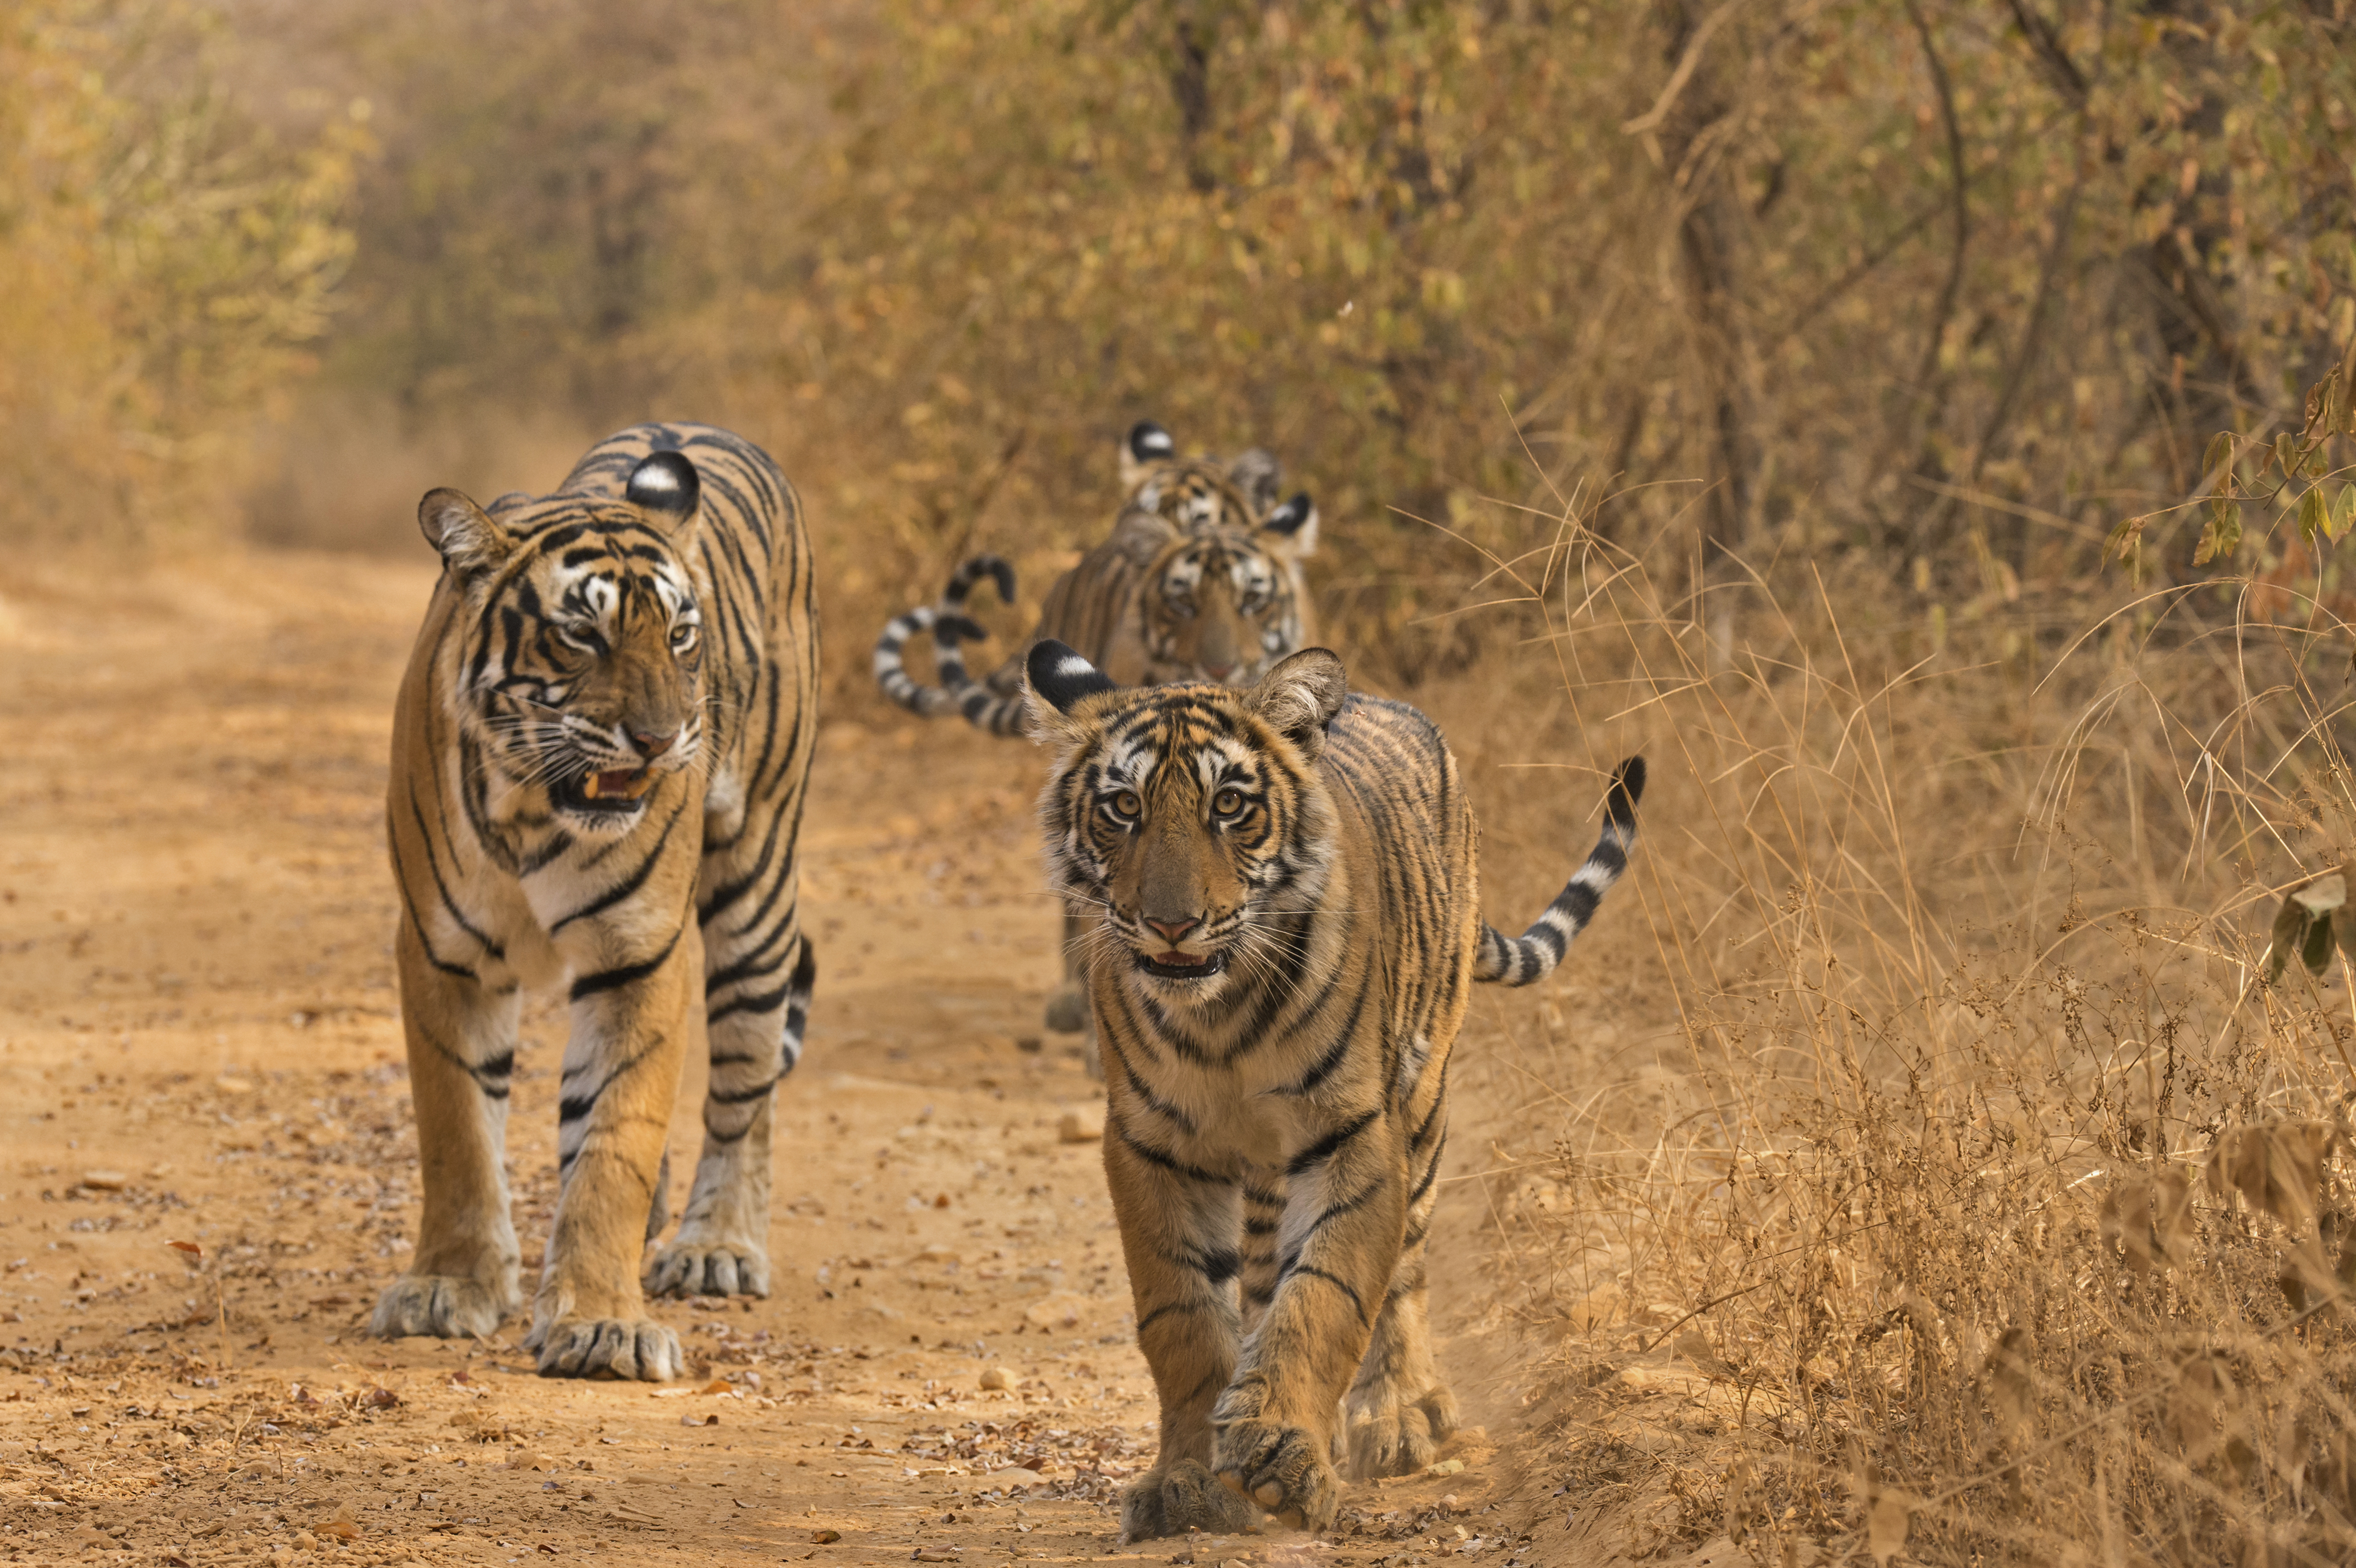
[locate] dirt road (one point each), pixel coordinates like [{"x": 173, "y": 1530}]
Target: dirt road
[{"x": 199, "y": 1044}]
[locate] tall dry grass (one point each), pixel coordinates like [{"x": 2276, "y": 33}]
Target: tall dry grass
[{"x": 1924, "y": 1126}]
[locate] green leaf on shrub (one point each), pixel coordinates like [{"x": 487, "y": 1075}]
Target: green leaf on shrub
[
  {"x": 2314, "y": 517},
  {"x": 2223, "y": 535},
  {"x": 2215, "y": 463}
]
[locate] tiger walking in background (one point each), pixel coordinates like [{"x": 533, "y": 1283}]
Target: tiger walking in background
[
  {"x": 600, "y": 755},
  {"x": 1287, "y": 923},
  {"x": 1200, "y": 580}
]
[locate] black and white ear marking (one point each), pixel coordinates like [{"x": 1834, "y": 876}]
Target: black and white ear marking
[
  {"x": 1146, "y": 445},
  {"x": 665, "y": 485},
  {"x": 1292, "y": 516},
  {"x": 462, "y": 532},
  {"x": 1063, "y": 676},
  {"x": 1149, "y": 442}
]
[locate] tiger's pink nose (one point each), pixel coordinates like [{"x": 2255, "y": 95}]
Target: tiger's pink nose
[
  {"x": 1218, "y": 671},
  {"x": 1174, "y": 931},
  {"x": 652, "y": 746}
]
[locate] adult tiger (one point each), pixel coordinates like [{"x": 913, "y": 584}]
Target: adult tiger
[
  {"x": 1200, "y": 580},
  {"x": 1289, "y": 920},
  {"x": 599, "y": 758}
]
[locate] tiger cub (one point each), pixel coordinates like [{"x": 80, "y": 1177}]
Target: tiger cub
[
  {"x": 600, "y": 753},
  {"x": 1288, "y": 922},
  {"x": 1200, "y": 580}
]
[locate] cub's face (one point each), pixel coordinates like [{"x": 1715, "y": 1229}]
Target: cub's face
[
  {"x": 1220, "y": 608},
  {"x": 1187, "y": 816},
  {"x": 582, "y": 669},
  {"x": 1220, "y": 556}
]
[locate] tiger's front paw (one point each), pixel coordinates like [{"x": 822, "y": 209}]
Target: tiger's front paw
[
  {"x": 449, "y": 1306},
  {"x": 694, "y": 1267},
  {"x": 1282, "y": 1468},
  {"x": 1184, "y": 1497},
  {"x": 609, "y": 1347}
]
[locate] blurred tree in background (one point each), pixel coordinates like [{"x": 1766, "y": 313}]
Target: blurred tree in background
[
  {"x": 1956, "y": 283},
  {"x": 163, "y": 260}
]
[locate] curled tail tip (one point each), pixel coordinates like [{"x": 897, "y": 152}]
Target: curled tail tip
[
  {"x": 996, "y": 568},
  {"x": 1627, "y": 789},
  {"x": 964, "y": 628}
]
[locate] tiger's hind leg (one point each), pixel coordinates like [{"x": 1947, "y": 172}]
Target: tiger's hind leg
[
  {"x": 461, "y": 1033},
  {"x": 722, "y": 1248},
  {"x": 758, "y": 974},
  {"x": 1399, "y": 1410}
]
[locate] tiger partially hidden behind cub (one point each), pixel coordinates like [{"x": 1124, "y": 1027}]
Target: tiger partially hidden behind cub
[{"x": 1287, "y": 926}]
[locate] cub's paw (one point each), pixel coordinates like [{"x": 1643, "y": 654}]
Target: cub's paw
[
  {"x": 1282, "y": 1469},
  {"x": 1069, "y": 1010},
  {"x": 450, "y": 1307},
  {"x": 609, "y": 1347},
  {"x": 690, "y": 1267},
  {"x": 1184, "y": 1496},
  {"x": 1393, "y": 1436}
]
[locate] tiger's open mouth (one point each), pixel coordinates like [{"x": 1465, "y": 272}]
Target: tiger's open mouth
[
  {"x": 1182, "y": 966},
  {"x": 617, "y": 791}
]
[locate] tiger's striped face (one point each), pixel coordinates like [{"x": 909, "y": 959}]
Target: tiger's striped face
[
  {"x": 1219, "y": 601},
  {"x": 1220, "y": 608},
  {"x": 581, "y": 672},
  {"x": 1186, "y": 815}
]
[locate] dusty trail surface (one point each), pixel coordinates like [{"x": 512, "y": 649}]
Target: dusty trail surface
[{"x": 199, "y": 1044}]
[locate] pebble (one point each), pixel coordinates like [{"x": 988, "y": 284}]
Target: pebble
[{"x": 997, "y": 1378}]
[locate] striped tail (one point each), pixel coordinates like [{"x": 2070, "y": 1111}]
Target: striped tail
[
  {"x": 995, "y": 704},
  {"x": 947, "y": 625},
  {"x": 892, "y": 663},
  {"x": 1518, "y": 960}
]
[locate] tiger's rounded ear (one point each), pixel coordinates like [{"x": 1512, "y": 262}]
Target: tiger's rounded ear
[
  {"x": 665, "y": 487},
  {"x": 1063, "y": 676},
  {"x": 1300, "y": 696},
  {"x": 1146, "y": 445},
  {"x": 1295, "y": 522},
  {"x": 462, "y": 533},
  {"x": 1259, "y": 477}
]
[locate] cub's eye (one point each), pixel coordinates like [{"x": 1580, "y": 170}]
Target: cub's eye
[
  {"x": 582, "y": 635},
  {"x": 1228, "y": 803},
  {"x": 682, "y": 638},
  {"x": 1124, "y": 806}
]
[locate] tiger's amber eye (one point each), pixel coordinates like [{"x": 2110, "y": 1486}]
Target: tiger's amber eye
[
  {"x": 1126, "y": 803},
  {"x": 1228, "y": 802}
]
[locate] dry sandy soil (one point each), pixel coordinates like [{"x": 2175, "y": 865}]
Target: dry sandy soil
[{"x": 199, "y": 1044}]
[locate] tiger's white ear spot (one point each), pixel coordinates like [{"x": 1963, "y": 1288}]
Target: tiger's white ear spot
[
  {"x": 665, "y": 486},
  {"x": 1146, "y": 445},
  {"x": 1062, "y": 677}
]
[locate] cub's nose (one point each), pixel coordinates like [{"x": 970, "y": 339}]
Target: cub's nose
[
  {"x": 1218, "y": 671},
  {"x": 652, "y": 746},
  {"x": 1173, "y": 931}
]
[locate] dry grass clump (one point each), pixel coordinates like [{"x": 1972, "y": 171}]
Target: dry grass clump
[{"x": 1988, "y": 1202}]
